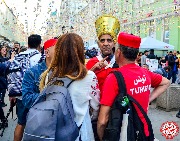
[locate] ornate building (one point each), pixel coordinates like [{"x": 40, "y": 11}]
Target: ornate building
[
  {"x": 11, "y": 29},
  {"x": 156, "y": 18}
]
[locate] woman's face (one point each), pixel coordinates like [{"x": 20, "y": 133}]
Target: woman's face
[{"x": 3, "y": 51}]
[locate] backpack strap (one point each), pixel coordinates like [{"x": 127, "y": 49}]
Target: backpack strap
[
  {"x": 65, "y": 80},
  {"x": 151, "y": 134},
  {"x": 70, "y": 83},
  {"x": 121, "y": 85},
  {"x": 123, "y": 91}
]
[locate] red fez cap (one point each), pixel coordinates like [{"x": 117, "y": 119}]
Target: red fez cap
[
  {"x": 49, "y": 43},
  {"x": 129, "y": 40}
]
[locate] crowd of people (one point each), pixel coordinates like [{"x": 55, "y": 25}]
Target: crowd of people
[
  {"x": 90, "y": 53},
  {"x": 168, "y": 65},
  {"x": 26, "y": 72}
]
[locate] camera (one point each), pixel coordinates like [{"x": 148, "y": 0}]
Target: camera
[{"x": 15, "y": 49}]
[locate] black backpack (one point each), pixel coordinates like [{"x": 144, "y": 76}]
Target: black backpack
[{"x": 135, "y": 129}]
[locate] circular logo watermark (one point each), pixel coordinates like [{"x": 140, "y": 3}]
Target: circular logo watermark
[{"x": 169, "y": 129}]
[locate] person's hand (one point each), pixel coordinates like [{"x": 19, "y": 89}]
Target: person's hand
[
  {"x": 176, "y": 60},
  {"x": 13, "y": 53},
  {"x": 12, "y": 99},
  {"x": 99, "y": 65}
]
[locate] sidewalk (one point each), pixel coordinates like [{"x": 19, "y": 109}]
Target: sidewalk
[{"x": 157, "y": 116}]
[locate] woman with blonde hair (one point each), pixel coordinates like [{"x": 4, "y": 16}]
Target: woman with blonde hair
[{"x": 69, "y": 61}]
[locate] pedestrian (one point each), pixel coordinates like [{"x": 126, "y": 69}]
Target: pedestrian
[
  {"x": 107, "y": 28},
  {"x": 144, "y": 56},
  {"x": 163, "y": 71},
  {"x": 3, "y": 76},
  {"x": 173, "y": 62},
  {"x": 162, "y": 62},
  {"x": 3, "y": 86},
  {"x": 16, "y": 48},
  {"x": 3, "y": 53},
  {"x": 135, "y": 78},
  {"x": 30, "y": 83},
  {"x": 4, "y": 69},
  {"x": 151, "y": 54},
  {"x": 69, "y": 61},
  {"x": 138, "y": 59},
  {"x": 21, "y": 62}
]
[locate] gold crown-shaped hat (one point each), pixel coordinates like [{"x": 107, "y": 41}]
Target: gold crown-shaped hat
[{"x": 107, "y": 24}]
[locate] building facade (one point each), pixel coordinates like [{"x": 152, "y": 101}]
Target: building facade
[
  {"x": 11, "y": 29},
  {"x": 156, "y": 18}
]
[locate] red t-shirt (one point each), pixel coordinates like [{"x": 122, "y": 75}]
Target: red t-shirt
[
  {"x": 101, "y": 74},
  {"x": 138, "y": 83}
]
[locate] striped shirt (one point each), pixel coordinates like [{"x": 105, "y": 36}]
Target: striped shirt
[{"x": 20, "y": 64}]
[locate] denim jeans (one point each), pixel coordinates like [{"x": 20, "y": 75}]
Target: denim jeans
[{"x": 172, "y": 74}]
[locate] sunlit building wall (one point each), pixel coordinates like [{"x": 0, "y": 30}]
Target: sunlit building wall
[
  {"x": 10, "y": 27},
  {"x": 155, "y": 18}
]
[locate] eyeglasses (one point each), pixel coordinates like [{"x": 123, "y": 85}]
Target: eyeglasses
[{"x": 108, "y": 40}]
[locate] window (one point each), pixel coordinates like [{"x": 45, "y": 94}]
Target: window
[
  {"x": 138, "y": 30},
  {"x": 166, "y": 30},
  {"x": 126, "y": 3},
  {"x": 152, "y": 31},
  {"x": 166, "y": 35}
]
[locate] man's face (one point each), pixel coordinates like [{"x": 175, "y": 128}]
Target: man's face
[
  {"x": 146, "y": 53},
  {"x": 106, "y": 44},
  {"x": 174, "y": 53},
  {"x": 16, "y": 46}
]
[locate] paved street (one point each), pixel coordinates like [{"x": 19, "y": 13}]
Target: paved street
[{"x": 157, "y": 116}]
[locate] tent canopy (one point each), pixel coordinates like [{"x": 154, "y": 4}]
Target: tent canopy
[{"x": 151, "y": 43}]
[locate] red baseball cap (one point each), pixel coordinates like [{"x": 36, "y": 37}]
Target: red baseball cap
[
  {"x": 129, "y": 40},
  {"x": 49, "y": 43}
]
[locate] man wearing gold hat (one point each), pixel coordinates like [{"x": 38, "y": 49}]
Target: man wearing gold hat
[{"x": 107, "y": 28}]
